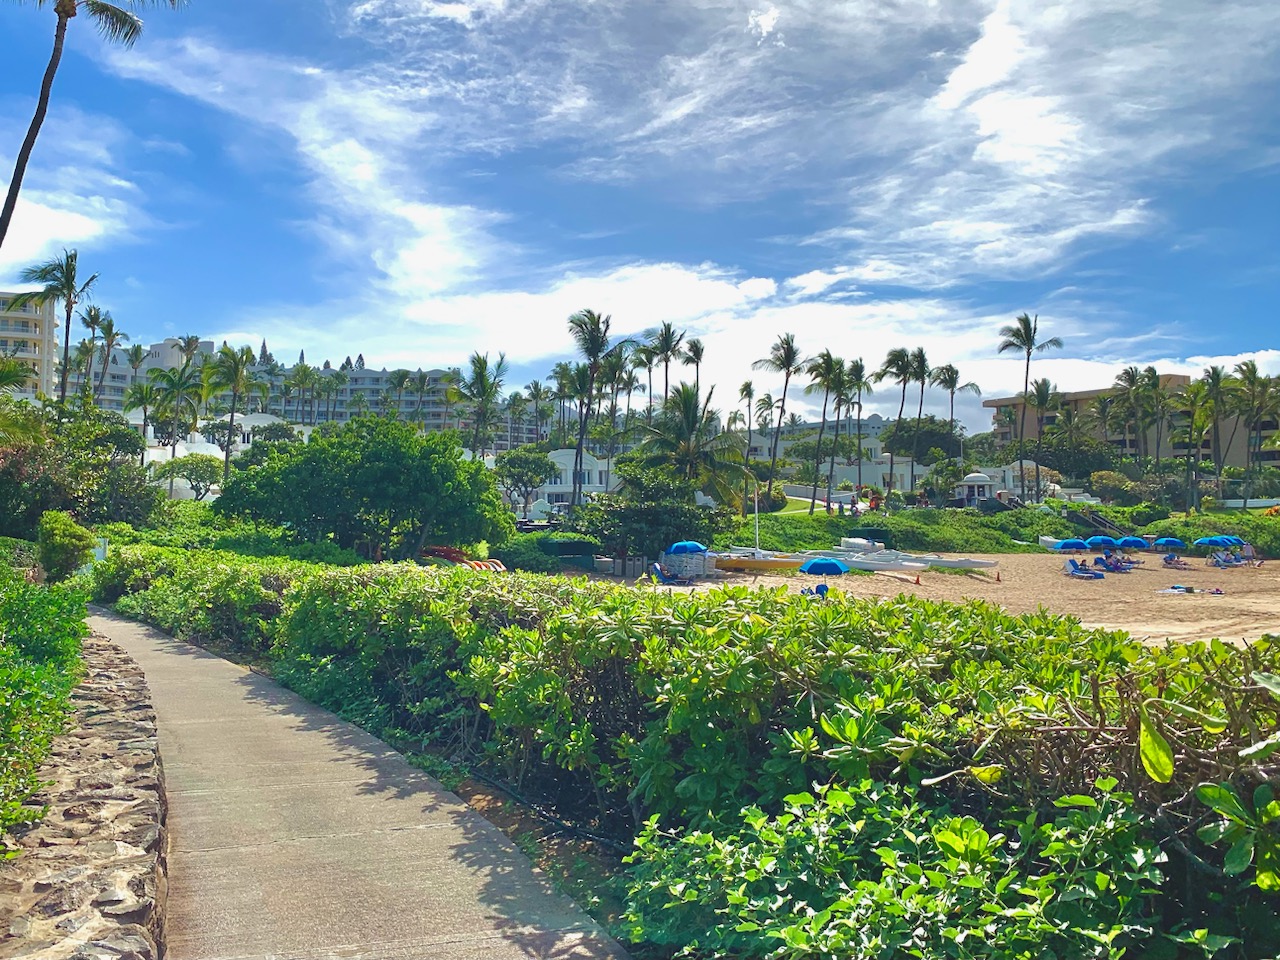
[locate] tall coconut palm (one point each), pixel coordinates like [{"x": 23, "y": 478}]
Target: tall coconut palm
[
  {"x": 148, "y": 398},
  {"x": 1128, "y": 392},
  {"x": 1023, "y": 336},
  {"x": 1194, "y": 408},
  {"x": 59, "y": 280},
  {"x": 645, "y": 356},
  {"x": 858, "y": 383},
  {"x": 687, "y": 440},
  {"x": 136, "y": 356},
  {"x": 665, "y": 344},
  {"x": 590, "y": 332},
  {"x": 1219, "y": 390},
  {"x": 1102, "y": 412},
  {"x": 694, "y": 353},
  {"x": 539, "y": 396},
  {"x": 839, "y": 401},
  {"x": 232, "y": 371},
  {"x": 398, "y": 380},
  {"x": 189, "y": 346},
  {"x": 784, "y": 358},
  {"x": 338, "y": 380},
  {"x": 919, "y": 374},
  {"x": 897, "y": 367},
  {"x": 91, "y": 320},
  {"x": 1042, "y": 398},
  {"x": 482, "y": 389},
  {"x": 117, "y": 24},
  {"x": 81, "y": 362},
  {"x": 747, "y": 394},
  {"x": 111, "y": 338},
  {"x": 179, "y": 389},
  {"x": 947, "y": 377},
  {"x": 823, "y": 371},
  {"x": 517, "y": 404},
  {"x": 358, "y": 405}
]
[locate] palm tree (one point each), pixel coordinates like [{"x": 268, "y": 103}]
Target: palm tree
[
  {"x": 645, "y": 356},
  {"x": 857, "y": 383},
  {"x": 148, "y": 398},
  {"x": 1024, "y": 336},
  {"x": 1219, "y": 391},
  {"x": 686, "y": 439},
  {"x": 117, "y": 25},
  {"x": 419, "y": 384},
  {"x": 897, "y": 367},
  {"x": 840, "y": 400},
  {"x": 358, "y": 405},
  {"x": 111, "y": 338},
  {"x": 538, "y": 396},
  {"x": 590, "y": 332},
  {"x": 1102, "y": 412},
  {"x": 136, "y": 356},
  {"x": 823, "y": 371},
  {"x": 337, "y": 382},
  {"x": 784, "y": 358},
  {"x": 91, "y": 319},
  {"x": 665, "y": 344},
  {"x": 947, "y": 377},
  {"x": 81, "y": 361},
  {"x": 694, "y": 352},
  {"x": 59, "y": 281},
  {"x": 232, "y": 371},
  {"x": 178, "y": 388},
  {"x": 189, "y": 346},
  {"x": 765, "y": 407},
  {"x": 398, "y": 380},
  {"x": 1192, "y": 404},
  {"x": 482, "y": 388},
  {"x": 1042, "y": 398},
  {"x": 747, "y": 394},
  {"x": 1128, "y": 392},
  {"x": 14, "y": 375},
  {"x": 517, "y": 404},
  {"x": 919, "y": 374}
]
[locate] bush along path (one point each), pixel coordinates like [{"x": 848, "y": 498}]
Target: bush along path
[
  {"x": 293, "y": 833},
  {"x": 854, "y": 779}
]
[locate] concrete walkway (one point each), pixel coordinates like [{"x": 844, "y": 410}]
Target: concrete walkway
[{"x": 296, "y": 836}]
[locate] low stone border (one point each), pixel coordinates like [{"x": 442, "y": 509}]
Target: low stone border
[{"x": 90, "y": 882}]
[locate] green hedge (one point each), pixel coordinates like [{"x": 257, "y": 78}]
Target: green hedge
[
  {"x": 986, "y": 785},
  {"x": 1262, "y": 532},
  {"x": 41, "y": 629}
]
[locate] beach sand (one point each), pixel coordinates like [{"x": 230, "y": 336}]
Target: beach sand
[{"x": 1248, "y": 608}]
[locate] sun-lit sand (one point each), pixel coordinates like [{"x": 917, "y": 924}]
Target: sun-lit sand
[{"x": 1248, "y": 608}]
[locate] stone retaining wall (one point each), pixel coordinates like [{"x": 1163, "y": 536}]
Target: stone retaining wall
[{"x": 90, "y": 882}]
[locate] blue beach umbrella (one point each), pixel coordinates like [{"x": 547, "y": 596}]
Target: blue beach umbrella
[
  {"x": 1171, "y": 543},
  {"x": 1209, "y": 542},
  {"x": 1234, "y": 541},
  {"x": 1097, "y": 543},
  {"x": 1075, "y": 544},
  {"x": 686, "y": 546},
  {"x": 1133, "y": 543},
  {"x": 824, "y": 567}
]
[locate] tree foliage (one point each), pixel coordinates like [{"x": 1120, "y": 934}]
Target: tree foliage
[
  {"x": 520, "y": 472},
  {"x": 200, "y": 470},
  {"x": 375, "y": 484}
]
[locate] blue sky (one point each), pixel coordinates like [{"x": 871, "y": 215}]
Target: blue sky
[{"x": 418, "y": 179}]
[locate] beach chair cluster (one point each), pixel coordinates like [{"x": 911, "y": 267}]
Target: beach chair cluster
[
  {"x": 1080, "y": 571},
  {"x": 1174, "y": 562},
  {"x": 1240, "y": 557}
]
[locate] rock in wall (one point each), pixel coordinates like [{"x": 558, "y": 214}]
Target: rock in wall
[{"x": 90, "y": 881}]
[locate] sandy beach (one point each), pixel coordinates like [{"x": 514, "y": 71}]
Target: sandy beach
[{"x": 1248, "y": 608}]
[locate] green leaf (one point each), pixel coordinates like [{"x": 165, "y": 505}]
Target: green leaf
[
  {"x": 1222, "y": 799},
  {"x": 1154, "y": 749},
  {"x": 1239, "y": 856},
  {"x": 1262, "y": 749},
  {"x": 1076, "y": 800},
  {"x": 1210, "y": 723},
  {"x": 990, "y": 775},
  {"x": 1270, "y": 681}
]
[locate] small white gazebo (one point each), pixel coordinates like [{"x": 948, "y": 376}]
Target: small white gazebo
[{"x": 975, "y": 487}]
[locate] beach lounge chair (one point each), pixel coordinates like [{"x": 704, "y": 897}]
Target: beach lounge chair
[
  {"x": 1175, "y": 562},
  {"x": 664, "y": 576},
  {"x": 1072, "y": 568}
]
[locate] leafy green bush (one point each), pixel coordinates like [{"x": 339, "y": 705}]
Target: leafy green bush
[
  {"x": 1262, "y": 532},
  {"x": 62, "y": 545},
  {"x": 18, "y": 553},
  {"x": 984, "y": 770},
  {"x": 41, "y": 629},
  {"x": 525, "y": 551}
]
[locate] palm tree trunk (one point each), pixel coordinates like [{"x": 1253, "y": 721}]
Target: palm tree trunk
[
  {"x": 951, "y": 416},
  {"x": 648, "y": 416},
  {"x": 142, "y": 460},
  {"x": 835, "y": 447},
  {"x": 892, "y": 459},
  {"x": 915, "y": 440},
  {"x": 102, "y": 376},
  {"x": 1022, "y": 426},
  {"x": 746, "y": 479},
  {"x": 666, "y": 379},
  {"x": 66, "y": 354},
  {"x": 777, "y": 432},
  {"x": 857, "y": 494},
  {"x": 817, "y": 458},
  {"x": 65, "y": 10},
  {"x": 1039, "y": 438},
  {"x": 231, "y": 432},
  {"x": 173, "y": 440}
]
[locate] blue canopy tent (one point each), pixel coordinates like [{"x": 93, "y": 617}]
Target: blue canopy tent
[
  {"x": 1071, "y": 545},
  {"x": 1098, "y": 543}
]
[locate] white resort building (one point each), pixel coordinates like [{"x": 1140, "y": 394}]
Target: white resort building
[{"x": 30, "y": 334}]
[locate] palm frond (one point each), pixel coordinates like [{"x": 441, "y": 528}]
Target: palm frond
[{"x": 116, "y": 24}]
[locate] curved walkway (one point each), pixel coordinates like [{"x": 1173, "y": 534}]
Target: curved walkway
[{"x": 296, "y": 836}]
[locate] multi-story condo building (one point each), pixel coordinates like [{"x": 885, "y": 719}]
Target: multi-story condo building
[
  {"x": 1007, "y": 413},
  {"x": 30, "y": 334},
  {"x": 120, "y": 374}
]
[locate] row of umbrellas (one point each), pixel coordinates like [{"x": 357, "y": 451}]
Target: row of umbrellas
[{"x": 1137, "y": 543}]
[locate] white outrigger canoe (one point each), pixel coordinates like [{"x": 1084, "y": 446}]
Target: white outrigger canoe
[
  {"x": 879, "y": 562},
  {"x": 880, "y": 559}
]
